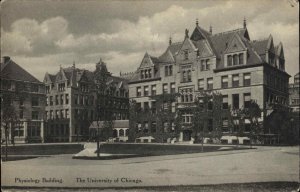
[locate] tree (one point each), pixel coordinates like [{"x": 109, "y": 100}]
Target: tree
[
  {"x": 100, "y": 76},
  {"x": 236, "y": 121},
  {"x": 132, "y": 120},
  {"x": 207, "y": 110},
  {"x": 253, "y": 112},
  {"x": 9, "y": 118}
]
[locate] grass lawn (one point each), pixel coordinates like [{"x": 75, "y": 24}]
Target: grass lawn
[
  {"x": 127, "y": 150},
  {"x": 20, "y": 152}
]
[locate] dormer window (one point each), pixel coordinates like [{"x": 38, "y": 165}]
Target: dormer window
[
  {"x": 146, "y": 73},
  {"x": 235, "y": 59},
  {"x": 168, "y": 70}
]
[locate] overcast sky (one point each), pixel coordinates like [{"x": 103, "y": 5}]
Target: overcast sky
[{"x": 42, "y": 35}]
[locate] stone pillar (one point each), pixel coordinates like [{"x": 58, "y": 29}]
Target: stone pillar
[
  {"x": 42, "y": 132},
  {"x": 25, "y": 124},
  {"x": 180, "y": 136}
]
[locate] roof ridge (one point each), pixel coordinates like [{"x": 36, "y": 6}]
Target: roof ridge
[
  {"x": 257, "y": 40},
  {"x": 230, "y": 31}
]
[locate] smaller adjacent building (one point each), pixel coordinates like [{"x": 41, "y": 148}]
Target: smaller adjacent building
[
  {"x": 77, "y": 97},
  {"x": 120, "y": 130},
  {"x": 294, "y": 90},
  {"x": 26, "y": 94}
]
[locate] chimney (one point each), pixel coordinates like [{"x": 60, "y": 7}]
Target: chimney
[
  {"x": 210, "y": 29},
  {"x": 5, "y": 59},
  {"x": 197, "y": 23}
]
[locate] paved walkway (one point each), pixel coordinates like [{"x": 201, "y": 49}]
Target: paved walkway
[{"x": 242, "y": 166}]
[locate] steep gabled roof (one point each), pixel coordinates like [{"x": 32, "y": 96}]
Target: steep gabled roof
[
  {"x": 11, "y": 70},
  {"x": 260, "y": 46},
  {"x": 166, "y": 57},
  {"x": 221, "y": 41}
]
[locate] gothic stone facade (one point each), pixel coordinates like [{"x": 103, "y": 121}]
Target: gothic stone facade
[
  {"x": 27, "y": 95},
  {"x": 73, "y": 103},
  {"x": 229, "y": 63}
]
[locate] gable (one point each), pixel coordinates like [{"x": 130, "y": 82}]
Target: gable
[
  {"x": 146, "y": 62},
  {"x": 47, "y": 78},
  {"x": 235, "y": 45},
  {"x": 60, "y": 76},
  {"x": 204, "y": 48},
  {"x": 197, "y": 35}
]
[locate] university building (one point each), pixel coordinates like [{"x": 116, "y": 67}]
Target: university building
[
  {"x": 229, "y": 63},
  {"x": 27, "y": 95},
  {"x": 74, "y": 102},
  {"x": 294, "y": 90}
]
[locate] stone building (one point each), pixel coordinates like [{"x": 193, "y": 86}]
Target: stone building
[
  {"x": 229, "y": 62},
  {"x": 27, "y": 94},
  {"x": 294, "y": 90},
  {"x": 74, "y": 102}
]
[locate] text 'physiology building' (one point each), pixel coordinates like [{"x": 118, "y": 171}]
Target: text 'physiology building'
[
  {"x": 22, "y": 104},
  {"x": 75, "y": 99},
  {"x": 229, "y": 63}
]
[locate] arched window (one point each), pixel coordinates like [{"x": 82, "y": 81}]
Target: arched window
[
  {"x": 241, "y": 58},
  {"x": 229, "y": 60},
  {"x": 191, "y": 97},
  {"x": 235, "y": 60},
  {"x": 121, "y": 132},
  {"x": 126, "y": 132}
]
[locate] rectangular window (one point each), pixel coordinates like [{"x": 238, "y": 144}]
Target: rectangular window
[
  {"x": 61, "y": 114},
  {"x": 153, "y": 127},
  {"x": 146, "y": 90},
  {"x": 34, "y": 101},
  {"x": 225, "y": 102},
  {"x": 153, "y": 107},
  {"x": 146, "y": 127},
  {"x": 229, "y": 60},
  {"x": 210, "y": 83},
  {"x": 201, "y": 84},
  {"x": 166, "y": 70},
  {"x": 241, "y": 58},
  {"x": 224, "y": 82},
  {"x": 47, "y": 89},
  {"x": 165, "y": 88},
  {"x": 247, "y": 98},
  {"x": 207, "y": 65},
  {"x": 235, "y": 80},
  {"x": 173, "y": 90},
  {"x": 202, "y": 65},
  {"x": 235, "y": 101},
  {"x": 67, "y": 115},
  {"x": 76, "y": 99},
  {"x": 146, "y": 106},
  {"x": 56, "y": 100},
  {"x": 47, "y": 101},
  {"x": 225, "y": 124},
  {"x": 67, "y": 99},
  {"x": 153, "y": 90},
  {"x": 35, "y": 115},
  {"x": 247, "y": 79},
  {"x": 170, "y": 70},
  {"x": 138, "y": 92},
  {"x": 62, "y": 99},
  {"x": 51, "y": 114}
]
